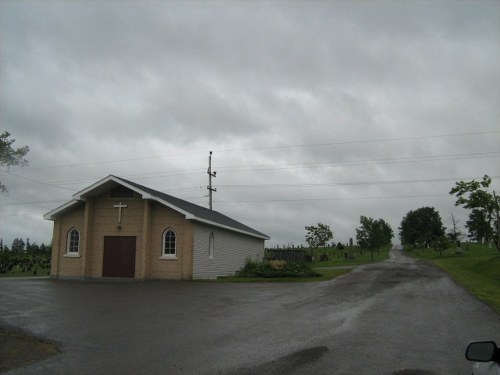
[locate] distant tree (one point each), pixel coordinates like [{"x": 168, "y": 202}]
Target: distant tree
[
  {"x": 10, "y": 156},
  {"x": 484, "y": 218},
  {"x": 478, "y": 227},
  {"x": 318, "y": 236},
  {"x": 373, "y": 234},
  {"x": 441, "y": 244},
  {"x": 18, "y": 245},
  {"x": 422, "y": 226},
  {"x": 454, "y": 234},
  {"x": 32, "y": 248},
  {"x": 44, "y": 248}
]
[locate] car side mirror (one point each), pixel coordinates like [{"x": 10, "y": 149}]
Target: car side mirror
[{"x": 482, "y": 351}]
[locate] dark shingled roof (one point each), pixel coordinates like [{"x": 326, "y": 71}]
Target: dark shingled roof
[{"x": 198, "y": 211}]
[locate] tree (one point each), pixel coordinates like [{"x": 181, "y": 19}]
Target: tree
[
  {"x": 455, "y": 234},
  {"x": 422, "y": 226},
  {"x": 373, "y": 234},
  {"x": 32, "y": 248},
  {"x": 18, "y": 245},
  {"x": 478, "y": 227},
  {"x": 484, "y": 220},
  {"x": 318, "y": 236},
  {"x": 10, "y": 156}
]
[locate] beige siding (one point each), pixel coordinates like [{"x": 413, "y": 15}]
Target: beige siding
[
  {"x": 97, "y": 218},
  {"x": 56, "y": 244},
  {"x": 230, "y": 252},
  {"x": 104, "y": 222},
  {"x": 62, "y": 264},
  {"x": 163, "y": 218}
]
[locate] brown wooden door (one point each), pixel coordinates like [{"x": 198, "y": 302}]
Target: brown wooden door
[{"x": 119, "y": 257}]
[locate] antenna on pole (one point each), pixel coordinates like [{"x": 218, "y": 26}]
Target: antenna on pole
[{"x": 210, "y": 175}]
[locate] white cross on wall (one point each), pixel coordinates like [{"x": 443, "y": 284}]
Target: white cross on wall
[{"x": 120, "y": 206}]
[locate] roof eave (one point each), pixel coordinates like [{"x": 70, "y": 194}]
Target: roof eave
[
  {"x": 232, "y": 229},
  {"x": 59, "y": 210}
]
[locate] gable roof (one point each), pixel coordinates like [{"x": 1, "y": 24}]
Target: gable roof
[{"x": 190, "y": 210}]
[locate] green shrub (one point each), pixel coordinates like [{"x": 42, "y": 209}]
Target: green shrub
[{"x": 271, "y": 269}]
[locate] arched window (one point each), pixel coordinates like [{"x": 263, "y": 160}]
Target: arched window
[
  {"x": 73, "y": 242},
  {"x": 211, "y": 246},
  {"x": 169, "y": 243}
]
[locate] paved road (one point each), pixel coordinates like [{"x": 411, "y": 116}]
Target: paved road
[{"x": 386, "y": 318}]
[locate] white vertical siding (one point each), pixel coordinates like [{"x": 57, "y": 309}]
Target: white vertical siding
[{"x": 231, "y": 249}]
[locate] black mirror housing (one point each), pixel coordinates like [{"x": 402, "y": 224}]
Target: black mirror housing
[{"x": 482, "y": 351}]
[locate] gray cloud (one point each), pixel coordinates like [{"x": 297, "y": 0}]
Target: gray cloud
[{"x": 145, "y": 89}]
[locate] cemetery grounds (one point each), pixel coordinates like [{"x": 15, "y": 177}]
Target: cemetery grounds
[{"x": 475, "y": 267}]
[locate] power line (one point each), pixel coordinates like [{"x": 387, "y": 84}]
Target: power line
[
  {"x": 36, "y": 203},
  {"x": 361, "y": 141},
  {"x": 37, "y": 181},
  {"x": 335, "y": 199},
  {"x": 263, "y": 167},
  {"x": 299, "y": 200},
  {"x": 94, "y": 179},
  {"x": 114, "y": 161},
  {"x": 380, "y": 140},
  {"x": 354, "y": 183},
  {"x": 273, "y": 167},
  {"x": 306, "y": 185},
  {"x": 362, "y": 162}
]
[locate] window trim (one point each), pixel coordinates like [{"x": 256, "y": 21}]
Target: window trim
[
  {"x": 163, "y": 243},
  {"x": 69, "y": 245},
  {"x": 211, "y": 245}
]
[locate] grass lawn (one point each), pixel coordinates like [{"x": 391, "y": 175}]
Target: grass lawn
[
  {"x": 17, "y": 272},
  {"x": 477, "y": 270}
]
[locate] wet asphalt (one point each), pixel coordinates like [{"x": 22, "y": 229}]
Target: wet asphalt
[{"x": 399, "y": 317}]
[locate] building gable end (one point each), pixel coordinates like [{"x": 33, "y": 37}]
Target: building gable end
[{"x": 190, "y": 210}]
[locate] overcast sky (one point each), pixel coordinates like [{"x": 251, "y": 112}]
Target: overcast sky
[{"x": 315, "y": 111}]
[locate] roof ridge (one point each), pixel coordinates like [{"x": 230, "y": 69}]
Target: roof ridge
[{"x": 158, "y": 192}]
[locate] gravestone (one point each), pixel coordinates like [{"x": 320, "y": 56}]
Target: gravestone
[{"x": 288, "y": 255}]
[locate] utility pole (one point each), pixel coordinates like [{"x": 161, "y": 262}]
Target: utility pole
[
  {"x": 210, "y": 175},
  {"x": 497, "y": 214}
]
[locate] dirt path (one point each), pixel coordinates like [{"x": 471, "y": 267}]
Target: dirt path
[{"x": 20, "y": 350}]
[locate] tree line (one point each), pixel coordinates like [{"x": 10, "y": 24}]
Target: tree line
[
  {"x": 26, "y": 256},
  {"x": 424, "y": 227},
  {"x": 371, "y": 235}
]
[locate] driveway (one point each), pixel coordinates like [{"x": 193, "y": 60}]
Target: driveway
[{"x": 385, "y": 318}]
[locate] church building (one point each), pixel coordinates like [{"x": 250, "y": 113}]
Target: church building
[{"x": 117, "y": 228}]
